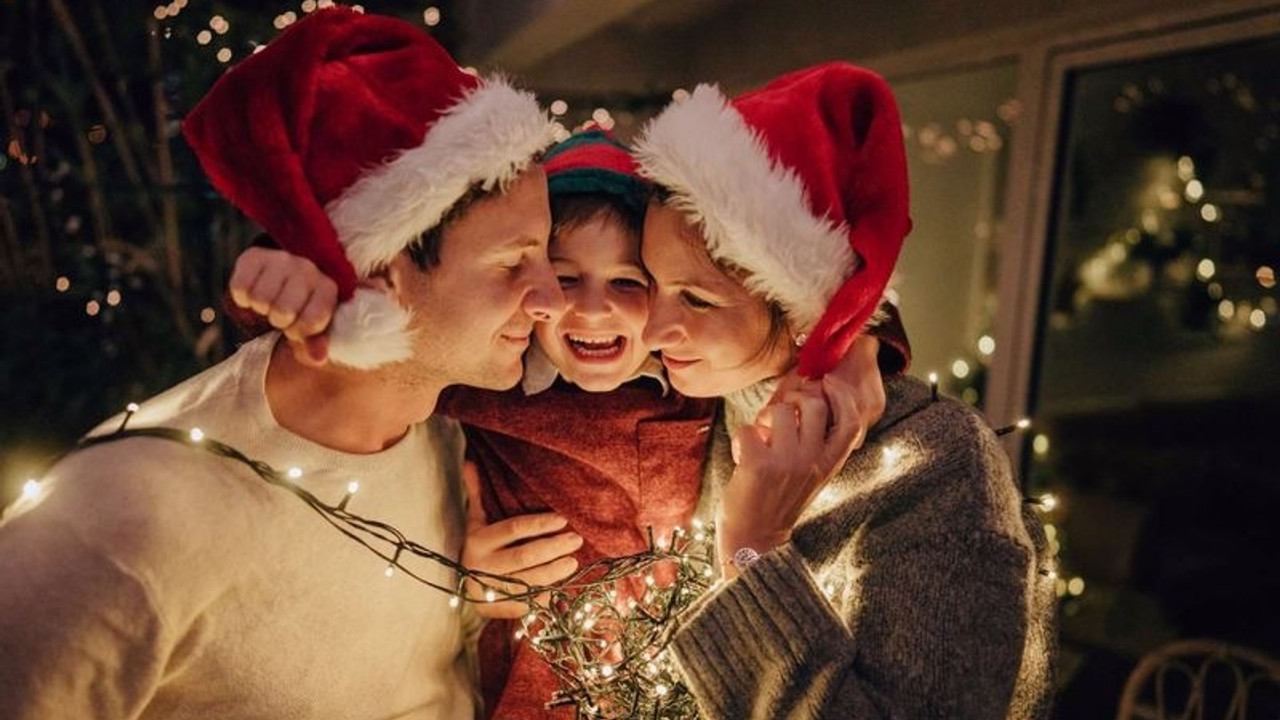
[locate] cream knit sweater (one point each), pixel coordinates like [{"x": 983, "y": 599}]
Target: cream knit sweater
[
  {"x": 157, "y": 581},
  {"x": 914, "y": 586}
]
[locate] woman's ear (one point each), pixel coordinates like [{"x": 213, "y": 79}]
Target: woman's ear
[{"x": 798, "y": 338}]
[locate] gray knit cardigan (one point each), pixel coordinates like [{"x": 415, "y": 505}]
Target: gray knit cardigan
[{"x": 916, "y": 585}]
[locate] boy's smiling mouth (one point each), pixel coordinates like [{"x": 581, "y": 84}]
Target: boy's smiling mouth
[{"x": 595, "y": 348}]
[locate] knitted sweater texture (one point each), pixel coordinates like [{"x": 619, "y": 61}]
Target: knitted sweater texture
[
  {"x": 914, "y": 586},
  {"x": 154, "y": 580}
]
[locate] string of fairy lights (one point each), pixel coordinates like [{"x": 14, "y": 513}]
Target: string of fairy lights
[{"x": 604, "y": 631}]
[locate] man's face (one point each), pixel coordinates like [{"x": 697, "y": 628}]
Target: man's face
[{"x": 474, "y": 312}]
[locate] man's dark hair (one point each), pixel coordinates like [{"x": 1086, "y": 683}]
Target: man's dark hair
[{"x": 425, "y": 249}]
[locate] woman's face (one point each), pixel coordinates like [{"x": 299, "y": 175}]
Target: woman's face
[{"x": 712, "y": 333}]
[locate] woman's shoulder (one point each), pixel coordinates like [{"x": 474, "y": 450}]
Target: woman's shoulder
[
  {"x": 952, "y": 456},
  {"x": 943, "y": 423}
]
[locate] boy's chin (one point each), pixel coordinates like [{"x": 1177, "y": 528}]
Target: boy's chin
[
  {"x": 597, "y": 379},
  {"x": 600, "y": 384}
]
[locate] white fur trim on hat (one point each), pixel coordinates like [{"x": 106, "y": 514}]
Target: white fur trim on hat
[
  {"x": 753, "y": 210},
  {"x": 369, "y": 330},
  {"x": 489, "y": 137}
]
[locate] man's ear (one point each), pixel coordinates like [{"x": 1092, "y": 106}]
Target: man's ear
[{"x": 392, "y": 279}]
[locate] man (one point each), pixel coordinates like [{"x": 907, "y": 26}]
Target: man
[{"x": 151, "y": 579}]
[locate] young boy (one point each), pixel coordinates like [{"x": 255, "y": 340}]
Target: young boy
[{"x": 594, "y": 433}]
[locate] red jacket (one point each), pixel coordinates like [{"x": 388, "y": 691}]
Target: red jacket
[{"x": 612, "y": 463}]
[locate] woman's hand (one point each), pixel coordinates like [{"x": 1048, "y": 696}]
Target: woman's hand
[
  {"x": 292, "y": 293},
  {"x": 860, "y": 370},
  {"x": 805, "y": 438},
  {"x": 521, "y": 547}
]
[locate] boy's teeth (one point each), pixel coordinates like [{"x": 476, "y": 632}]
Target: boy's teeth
[{"x": 596, "y": 342}]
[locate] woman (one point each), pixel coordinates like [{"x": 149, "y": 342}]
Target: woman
[{"x": 906, "y": 580}]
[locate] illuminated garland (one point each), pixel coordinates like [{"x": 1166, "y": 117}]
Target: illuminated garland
[
  {"x": 607, "y": 641},
  {"x": 603, "y": 631}
]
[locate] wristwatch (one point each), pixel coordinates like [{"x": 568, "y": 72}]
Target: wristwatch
[{"x": 744, "y": 558}]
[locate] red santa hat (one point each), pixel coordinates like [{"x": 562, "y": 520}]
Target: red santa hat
[
  {"x": 347, "y": 137},
  {"x": 802, "y": 185}
]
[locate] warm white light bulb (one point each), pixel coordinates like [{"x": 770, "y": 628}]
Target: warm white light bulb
[
  {"x": 1205, "y": 269},
  {"x": 30, "y": 489},
  {"x": 1041, "y": 444},
  {"x": 197, "y": 434},
  {"x": 295, "y": 473},
  {"x": 352, "y": 487},
  {"x": 890, "y": 454}
]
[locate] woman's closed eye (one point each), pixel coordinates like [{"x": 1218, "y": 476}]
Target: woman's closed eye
[{"x": 696, "y": 302}]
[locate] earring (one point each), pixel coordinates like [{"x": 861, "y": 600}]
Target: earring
[{"x": 800, "y": 339}]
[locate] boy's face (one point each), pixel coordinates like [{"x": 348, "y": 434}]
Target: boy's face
[{"x": 596, "y": 343}]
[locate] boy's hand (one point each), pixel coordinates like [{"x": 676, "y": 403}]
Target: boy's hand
[
  {"x": 521, "y": 547},
  {"x": 292, "y": 293}
]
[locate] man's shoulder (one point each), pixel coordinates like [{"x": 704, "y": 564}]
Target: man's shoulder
[
  {"x": 218, "y": 395},
  {"x": 142, "y": 490}
]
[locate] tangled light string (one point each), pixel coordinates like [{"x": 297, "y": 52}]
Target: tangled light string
[
  {"x": 604, "y": 631},
  {"x": 607, "y": 641}
]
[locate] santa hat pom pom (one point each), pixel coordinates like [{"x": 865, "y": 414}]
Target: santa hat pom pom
[{"x": 369, "y": 330}]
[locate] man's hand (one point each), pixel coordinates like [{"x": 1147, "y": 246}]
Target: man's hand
[
  {"x": 520, "y": 547},
  {"x": 294, "y": 296}
]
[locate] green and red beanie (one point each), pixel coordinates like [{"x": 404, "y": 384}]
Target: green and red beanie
[{"x": 592, "y": 161}]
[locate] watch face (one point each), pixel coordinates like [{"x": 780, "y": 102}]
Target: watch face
[{"x": 744, "y": 557}]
